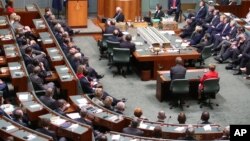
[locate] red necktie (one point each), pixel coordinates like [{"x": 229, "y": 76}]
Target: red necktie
[{"x": 174, "y": 3}]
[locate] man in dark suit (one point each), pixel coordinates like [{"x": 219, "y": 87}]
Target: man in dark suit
[
  {"x": 159, "y": 13},
  {"x": 202, "y": 12},
  {"x": 127, "y": 43},
  {"x": 44, "y": 128},
  {"x": 18, "y": 117},
  {"x": 218, "y": 28},
  {"x": 213, "y": 23},
  {"x": 178, "y": 71},
  {"x": 82, "y": 119},
  {"x": 119, "y": 17},
  {"x": 187, "y": 29},
  {"x": 114, "y": 37},
  {"x": 174, "y": 6},
  {"x": 224, "y": 2},
  {"x": 133, "y": 130},
  {"x": 189, "y": 134},
  {"x": 205, "y": 118},
  {"x": 38, "y": 82},
  {"x": 110, "y": 28},
  {"x": 48, "y": 99},
  {"x": 62, "y": 106}
]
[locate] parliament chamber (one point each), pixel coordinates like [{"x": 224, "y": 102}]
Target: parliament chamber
[{"x": 59, "y": 61}]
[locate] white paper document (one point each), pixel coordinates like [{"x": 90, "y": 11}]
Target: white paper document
[
  {"x": 207, "y": 127},
  {"x": 74, "y": 115},
  {"x": 179, "y": 129}
]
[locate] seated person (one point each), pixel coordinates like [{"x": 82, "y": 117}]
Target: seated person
[
  {"x": 108, "y": 103},
  {"x": 19, "y": 117},
  {"x": 224, "y": 2},
  {"x": 128, "y": 44},
  {"x": 98, "y": 97},
  {"x": 189, "y": 133},
  {"x": 205, "y": 41},
  {"x": 44, "y": 125},
  {"x": 83, "y": 119},
  {"x": 200, "y": 14},
  {"x": 210, "y": 74},
  {"x": 226, "y": 133},
  {"x": 181, "y": 118},
  {"x": 17, "y": 25},
  {"x": 9, "y": 8},
  {"x": 157, "y": 133},
  {"x": 120, "y": 107},
  {"x": 214, "y": 21},
  {"x": 161, "y": 116},
  {"x": 187, "y": 29},
  {"x": 159, "y": 13},
  {"x": 219, "y": 27},
  {"x": 115, "y": 37},
  {"x": 178, "y": 71},
  {"x": 62, "y": 106},
  {"x": 110, "y": 27},
  {"x": 174, "y": 6},
  {"x": 48, "y": 99},
  {"x": 5, "y": 90},
  {"x": 195, "y": 37},
  {"x": 205, "y": 117},
  {"x": 138, "y": 113},
  {"x": 38, "y": 81},
  {"x": 119, "y": 17},
  {"x": 133, "y": 130}
]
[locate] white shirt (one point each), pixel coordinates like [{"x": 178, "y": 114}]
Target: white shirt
[{"x": 248, "y": 17}]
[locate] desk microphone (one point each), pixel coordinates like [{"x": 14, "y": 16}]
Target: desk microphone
[{"x": 168, "y": 120}]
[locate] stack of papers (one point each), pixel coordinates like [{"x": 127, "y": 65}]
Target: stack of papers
[
  {"x": 48, "y": 41},
  {"x": 10, "y": 127},
  {"x": 115, "y": 138},
  {"x": 172, "y": 50},
  {"x": 151, "y": 128},
  {"x": 73, "y": 126},
  {"x": 143, "y": 126},
  {"x": 23, "y": 97},
  {"x": 57, "y": 121},
  {"x": 138, "y": 43},
  {"x": 207, "y": 127},
  {"x": 15, "y": 68},
  {"x": 179, "y": 129},
  {"x": 113, "y": 118},
  {"x": 35, "y": 106},
  {"x": 31, "y": 137},
  {"x": 66, "y": 76},
  {"x": 74, "y": 115}
]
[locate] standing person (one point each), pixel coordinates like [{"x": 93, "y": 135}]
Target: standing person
[
  {"x": 174, "y": 6},
  {"x": 57, "y": 5}
]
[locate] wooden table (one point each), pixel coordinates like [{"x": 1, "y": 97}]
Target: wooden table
[
  {"x": 163, "y": 83},
  {"x": 145, "y": 59}
]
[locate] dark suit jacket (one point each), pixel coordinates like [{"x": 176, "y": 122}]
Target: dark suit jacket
[
  {"x": 119, "y": 17},
  {"x": 60, "y": 111},
  {"x": 232, "y": 33},
  {"x": 206, "y": 122},
  {"x": 37, "y": 81},
  {"x": 110, "y": 29},
  {"x": 216, "y": 20},
  {"x": 201, "y": 13},
  {"x": 178, "y": 4},
  {"x": 226, "y": 29},
  {"x": 187, "y": 31},
  {"x": 86, "y": 87},
  {"x": 133, "y": 131},
  {"x": 114, "y": 39},
  {"x": 195, "y": 38},
  {"x": 159, "y": 14},
  {"x": 218, "y": 28},
  {"x": 84, "y": 121},
  {"x": 128, "y": 45},
  {"x": 177, "y": 72},
  {"x": 224, "y": 2},
  {"x": 47, "y": 132},
  {"x": 48, "y": 101},
  {"x": 209, "y": 17}
]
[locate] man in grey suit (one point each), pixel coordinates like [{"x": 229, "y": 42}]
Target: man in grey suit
[
  {"x": 133, "y": 130},
  {"x": 48, "y": 99},
  {"x": 178, "y": 71}
]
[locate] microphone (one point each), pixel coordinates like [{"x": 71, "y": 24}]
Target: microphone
[{"x": 168, "y": 120}]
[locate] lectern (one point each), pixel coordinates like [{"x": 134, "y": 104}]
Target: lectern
[{"x": 77, "y": 13}]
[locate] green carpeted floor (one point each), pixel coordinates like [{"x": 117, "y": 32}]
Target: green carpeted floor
[{"x": 234, "y": 95}]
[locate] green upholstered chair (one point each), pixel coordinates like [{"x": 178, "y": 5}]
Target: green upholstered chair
[
  {"x": 121, "y": 57},
  {"x": 110, "y": 46},
  {"x": 103, "y": 45},
  {"x": 179, "y": 89},
  {"x": 205, "y": 53},
  {"x": 211, "y": 87}
]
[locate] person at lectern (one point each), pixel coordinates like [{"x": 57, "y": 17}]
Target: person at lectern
[
  {"x": 159, "y": 13},
  {"x": 174, "y": 6},
  {"x": 119, "y": 17}
]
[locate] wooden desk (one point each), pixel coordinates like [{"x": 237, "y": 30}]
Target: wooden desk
[
  {"x": 33, "y": 109},
  {"x": 3, "y": 61},
  {"x": 11, "y": 52},
  {"x": 145, "y": 59},
  {"x": 53, "y": 77},
  {"x": 3, "y": 22},
  {"x": 103, "y": 117},
  {"x": 18, "y": 76},
  {"x": 6, "y": 36},
  {"x": 47, "y": 40},
  {"x": 66, "y": 128},
  {"x": 163, "y": 83},
  {"x": 170, "y": 131},
  {"x": 9, "y": 128},
  {"x": 4, "y": 72},
  {"x": 39, "y": 25},
  {"x": 55, "y": 56},
  {"x": 67, "y": 79}
]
